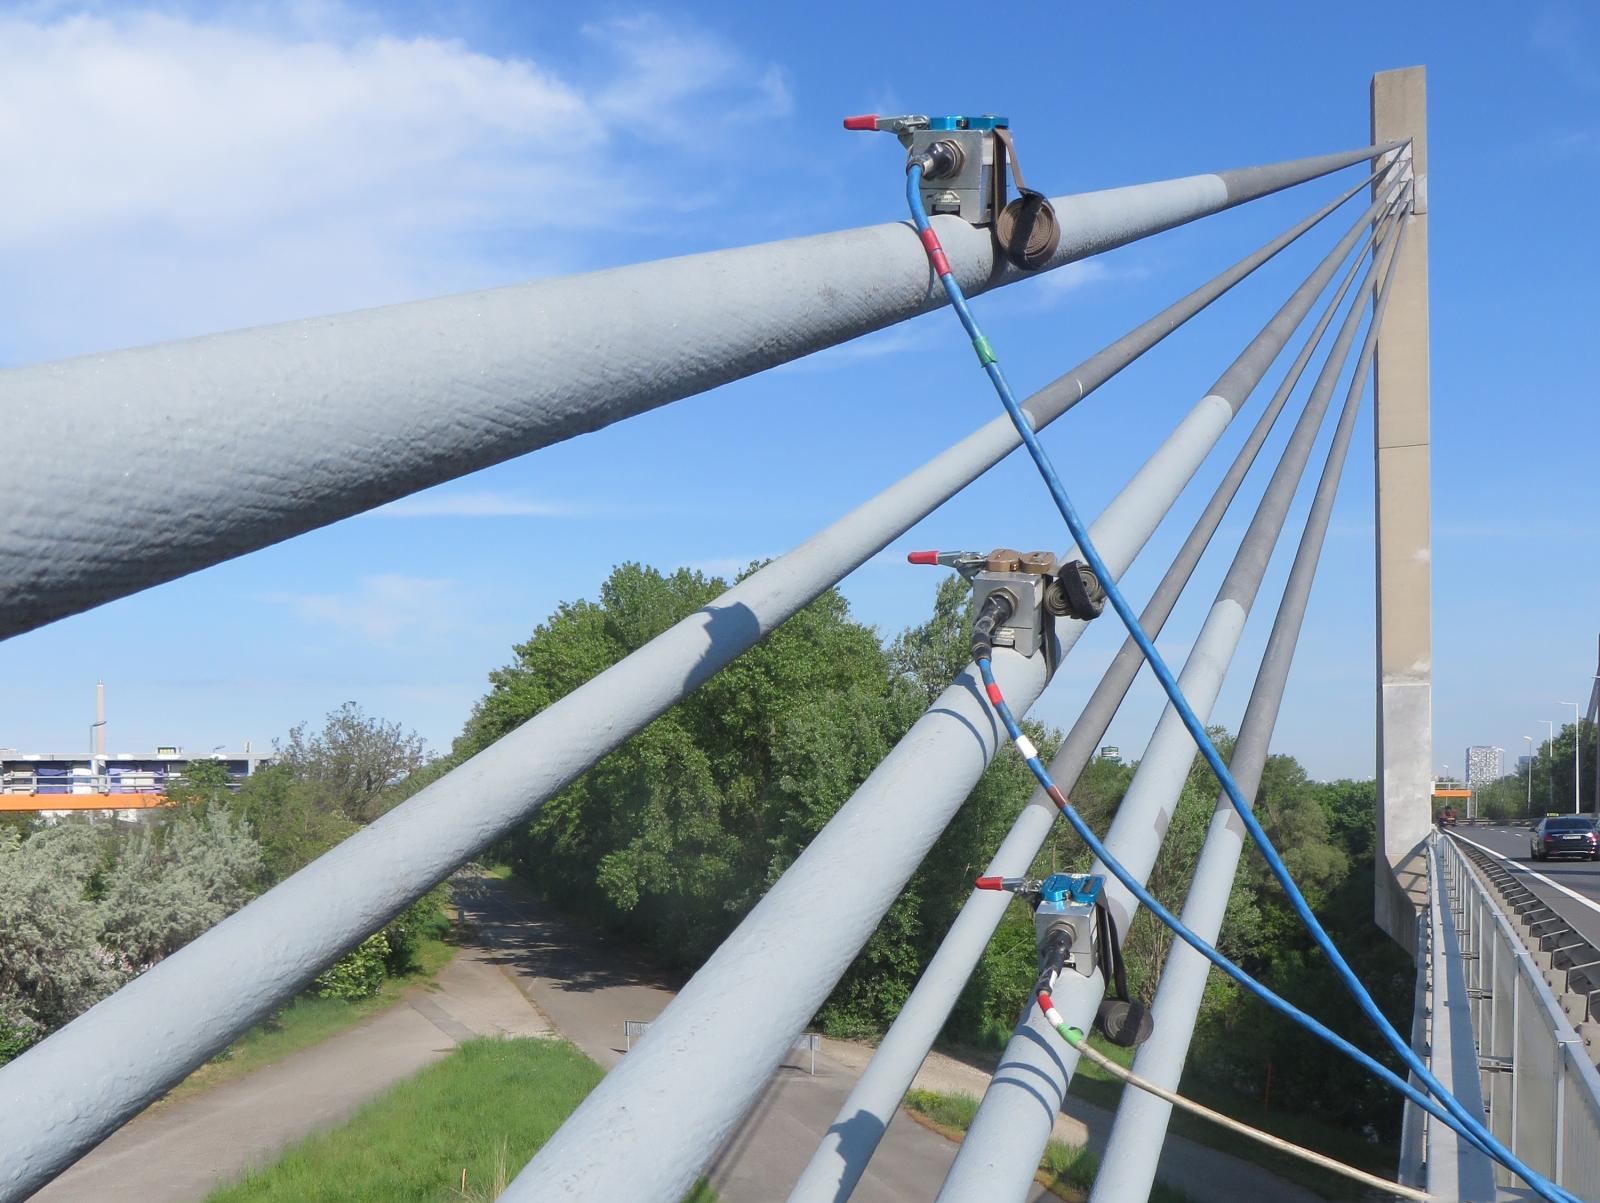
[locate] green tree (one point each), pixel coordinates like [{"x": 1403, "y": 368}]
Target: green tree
[
  {"x": 357, "y": 974},
  {"x": 354, "y": 761},
  {"x": 171, "y": 883},
  {"x": 294, "y": 820},
  {"x": 1557, "y": 768},
  {"x": 932, "y": 654},
  {"x": 204, "y": 783},
  {"x": 51, "y": 963}
]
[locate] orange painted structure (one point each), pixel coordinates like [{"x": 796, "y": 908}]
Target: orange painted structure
[{"x": 37, "y": 802}]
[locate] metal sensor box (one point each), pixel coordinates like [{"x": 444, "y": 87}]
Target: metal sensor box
[
  {"x": 970, "y": 192},
  {"x": 1030, "y": 626},
  {"x": 1067, "y": 901}
]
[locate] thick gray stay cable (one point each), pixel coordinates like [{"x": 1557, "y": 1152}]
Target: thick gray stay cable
[
  {"x": 1008, "y": 1135},
  {"x": 847, "y": 1147},
  {"x": 263, "y": 434}
]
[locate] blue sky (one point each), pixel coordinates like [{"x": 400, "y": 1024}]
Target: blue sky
[{"x": 181, "y": 169}]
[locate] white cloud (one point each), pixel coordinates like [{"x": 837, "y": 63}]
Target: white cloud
[
  {"x": 381, "y": 608},
  {"x": 1071, "y": 277},
  {"x": 168, "y": 174},
  {"x": 1559, "y": 32},
  {"x": 484, "y": 504},
  {"x": 667, "y": 66},
  {"x": 895, "y": 340}
]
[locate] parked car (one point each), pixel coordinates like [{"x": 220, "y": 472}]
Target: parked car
[
  {"x": 1567, "y": 835},
  {"x": 1447, "y": 816}
]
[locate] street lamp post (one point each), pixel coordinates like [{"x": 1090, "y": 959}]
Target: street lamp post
[
  {"x": 1550, "y": 770},
  {"x": 1529, "y": 738},
  {"x": 1577, "y": 726}
]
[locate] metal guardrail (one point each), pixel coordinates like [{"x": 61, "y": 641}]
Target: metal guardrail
[
  {"x": 1567, "y": 960},
  {"x": 1540, "y": 1089}
]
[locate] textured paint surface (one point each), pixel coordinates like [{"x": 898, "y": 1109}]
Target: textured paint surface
[
  {"x": 267, "y": 433},
  {"x": 1141, "y": 1117},
  {"x": 1008, "y": 1134},
  {"x": 838, "y": 1163}
]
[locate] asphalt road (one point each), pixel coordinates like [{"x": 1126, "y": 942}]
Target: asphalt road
[{"x": 1571, "y": 888}]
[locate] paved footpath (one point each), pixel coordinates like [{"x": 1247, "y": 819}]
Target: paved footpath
[
  {"x": 178, "y": 1152},
  {"x": 588, "y": 986},
  {"x": 530, "y": 973}
]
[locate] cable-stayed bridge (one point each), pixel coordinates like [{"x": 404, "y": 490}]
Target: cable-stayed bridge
[{"x": 272, "y": 432}]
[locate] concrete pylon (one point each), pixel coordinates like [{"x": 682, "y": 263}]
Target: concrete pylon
[{"x": 1404, "y": 538}]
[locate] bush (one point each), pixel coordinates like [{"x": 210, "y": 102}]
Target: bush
[
  {"x": 358, "y": 974},
  {"x": 18, "y": 1030},
  {"x": 424, "y": 919}
]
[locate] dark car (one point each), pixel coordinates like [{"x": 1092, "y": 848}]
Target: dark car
[
  {"x": 1572, "y": 835},
  {"x": 1447, "y": 816}
]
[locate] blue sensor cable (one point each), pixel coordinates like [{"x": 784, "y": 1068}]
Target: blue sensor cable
[{"x": 1466, "y": 1124}]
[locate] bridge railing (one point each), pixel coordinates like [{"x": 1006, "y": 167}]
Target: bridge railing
[{"x": 1495, "y": 1013}]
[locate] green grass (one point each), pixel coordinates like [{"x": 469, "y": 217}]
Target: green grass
[
  {"x": 476, "y": 1117},
  {"x": 1067, "y": 1170},
  {"x": 307, "y": 1021}
]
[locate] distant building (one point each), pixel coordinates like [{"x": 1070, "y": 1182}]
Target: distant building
[
  {"x": 1523, "y": 762},
  {"x": 1111, "y": 752},
  {"x": 1485, "y": 764},
  {"x": 54, "y": 784}
]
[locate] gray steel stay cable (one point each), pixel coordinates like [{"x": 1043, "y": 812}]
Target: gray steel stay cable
[
  {"x": 838, "y": 1163},
  {"x": 1008, "y": 1134},
  {"x": 1127, "y": 1171}
]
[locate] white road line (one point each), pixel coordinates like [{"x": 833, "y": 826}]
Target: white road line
[{"x": 1516, "y": 868}]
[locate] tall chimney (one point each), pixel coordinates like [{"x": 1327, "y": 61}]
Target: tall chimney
[{"x": 100, "y": 719}]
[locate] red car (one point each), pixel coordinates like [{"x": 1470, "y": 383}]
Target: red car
[{"x": 1447, "y": 816}]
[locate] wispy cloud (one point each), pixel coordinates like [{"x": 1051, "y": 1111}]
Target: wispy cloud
[
  {"x": 187, "y": 173},
  {"x": 1079, "y": 276},
  {"x": 381, "y": 609},
  {"x": 1559, "y": 32},
  {"x": 896, "y": 340},
  {"x": 448, "y": 502},
  {"x": 484, "y": 504}
]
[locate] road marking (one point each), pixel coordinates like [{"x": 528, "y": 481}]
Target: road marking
[{"x": 1516, "y": 868}]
